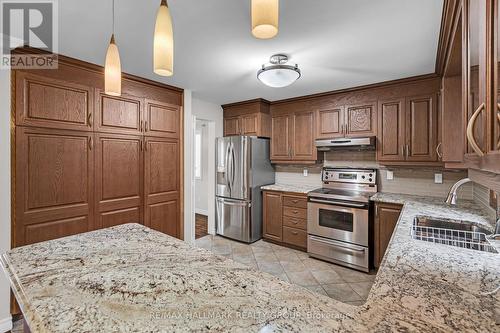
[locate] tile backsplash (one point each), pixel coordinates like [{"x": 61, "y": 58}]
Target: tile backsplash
[{"x": 407, "y": 180}]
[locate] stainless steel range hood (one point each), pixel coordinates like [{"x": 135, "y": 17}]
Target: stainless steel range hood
[{"x": 367, "y": 143}]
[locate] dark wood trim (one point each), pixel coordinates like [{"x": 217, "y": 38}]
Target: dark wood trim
[
  {"x": 94, "y": 67},
  {"x": 449, "y": 17},
  {"x": 255, "y": 100},
  {"x": 383, "y": 84}
]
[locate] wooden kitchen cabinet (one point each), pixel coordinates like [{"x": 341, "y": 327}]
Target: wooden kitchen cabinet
[
  {"x": 118, "y": 179},
  {"x": 161, "y": 119},
  {"x": 292, "y": 137},
  {"x": 272, "y": 219},
  {"x": 51, "y": 103},
  {"x": 350, "y": 121},
  {"x": 162, "y": 185},
  {"x": 285, "y": 218},
  {"x": 386, "y": 218},
  {"x": 54, "y": 184},
  {"x": 408, "y": 129},
  {"x": 247, "y": 118},
  {"x": 119, "y": 114}
]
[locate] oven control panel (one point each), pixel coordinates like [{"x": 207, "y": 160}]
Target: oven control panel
[{"x": 358, "y": 176}]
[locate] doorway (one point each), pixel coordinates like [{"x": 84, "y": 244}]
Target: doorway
[{"x": 204, "y": 177}]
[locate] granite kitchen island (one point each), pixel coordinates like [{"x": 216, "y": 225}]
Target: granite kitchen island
[{"x": 132, "y": 279}]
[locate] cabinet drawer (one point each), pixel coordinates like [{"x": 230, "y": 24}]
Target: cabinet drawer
[
  {"x": 301, "y": 213},
  {"x": 295, "y": 237},
  {"x": 295, "y": 222},
  {"x": 294, "y": 202}
]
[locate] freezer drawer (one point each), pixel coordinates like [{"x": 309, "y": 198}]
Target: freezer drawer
[{"x": 234, "y": 219}]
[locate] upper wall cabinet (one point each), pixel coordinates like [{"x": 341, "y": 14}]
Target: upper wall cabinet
[
  {"x": 481, "y": 48},
  {"x": 350, "y": 121},
  {"x": 119, "y": 114},
  {"x": 47, "y": 102},
  {"x": 292, "y": 139},
  {"x": 407, "y": 129},
  {"x": 247, "y": 118},
  {"x": 161, "y": 119}
]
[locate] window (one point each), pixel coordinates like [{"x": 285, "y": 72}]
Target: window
[{"x": 197, "y": 155}]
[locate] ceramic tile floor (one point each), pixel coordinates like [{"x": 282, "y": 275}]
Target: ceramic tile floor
[{"x": 343, "y": 284}]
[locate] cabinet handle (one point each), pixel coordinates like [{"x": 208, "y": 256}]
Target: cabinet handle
[
  {"x": 145, "y": 146},
  {"x": 407, "y": 151},
  {"x": 295, "y": 201},
  {"x": 89, "y": 119},
  {"x": 142, "y": 147},
  {"x": 437, "y": 151},
  {"x": 91, "y": 143},
  {"x": 403, "y": 151},
  {"x": 289, "y": 151},
  {"x": 295, "y": 233},
  {"x": 145, "y": 126},
  {"x": 140, "y": 126},
  {"x": 470, "y": 129}
]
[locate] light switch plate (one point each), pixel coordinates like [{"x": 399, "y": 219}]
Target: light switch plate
[
  {"x": 390, "y": 175},
  {"x": 438, "y": 178},
  {"x": 306, "y": 172}
]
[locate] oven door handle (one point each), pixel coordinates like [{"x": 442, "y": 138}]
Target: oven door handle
[
  {"x": 338, "y": 244},
  {"x": 340, "y": 203}
]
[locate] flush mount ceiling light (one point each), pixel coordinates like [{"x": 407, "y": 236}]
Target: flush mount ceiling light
[
  {"x": 112, "y": 66},
  {"x": 265, "y": 17},
  {"x": 163, "y": 44},
  {"x": 278, "y": 75}
]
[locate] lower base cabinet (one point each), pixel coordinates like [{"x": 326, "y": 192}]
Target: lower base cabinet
[
  {"x": 386, "y": 218},
  {"x": 285, "y": 218}
]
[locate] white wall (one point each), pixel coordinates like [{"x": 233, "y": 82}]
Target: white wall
[
  {"x": 5, "y": 319},
  {"x": 202, "y": 184},
  {"x": 212, "y": 115}
]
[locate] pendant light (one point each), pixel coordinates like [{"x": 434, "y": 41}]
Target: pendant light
[
  {"x": 265, "y": 17},
  {"x": 163, "y": 45},
  {"x": 112, "y": 67}
]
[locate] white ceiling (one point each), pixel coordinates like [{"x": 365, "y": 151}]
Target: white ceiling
[{"x": 337, "y": 43}]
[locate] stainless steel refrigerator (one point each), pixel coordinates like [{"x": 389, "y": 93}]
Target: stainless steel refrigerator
[{"x": 243, "y": 166}]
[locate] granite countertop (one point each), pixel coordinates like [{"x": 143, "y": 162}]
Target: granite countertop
[
  {"x": 130, "y": 278},
  {"x": 304, "y": 189}
]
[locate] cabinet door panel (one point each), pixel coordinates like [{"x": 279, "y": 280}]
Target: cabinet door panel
[
  {"x": 50, "y": 103},
  {"x": 162, "y": 119},
  {"x": 119, "y": 170},
  {"x": 329, "y": 123},
  {"x": 118, "y": 114},
  {"x": 421, "y": 128},
  {"x": 272, "y": 216},
  {"x": 232, "y": 126},
  {"x": 249, "y": 124},
  {"x": 162, "y": 185},
  {"x": 391, "y": 130},
  {"x": 280, "y": 144},
  {"x": 303, "y": 147},
  {"x": 361, "y": 120},
  {"x": 54, "y": 184},
  {"x": 385, "y": 221}
]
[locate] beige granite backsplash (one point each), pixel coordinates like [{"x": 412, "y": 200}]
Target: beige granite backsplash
[{"x": 407, "y": 180}]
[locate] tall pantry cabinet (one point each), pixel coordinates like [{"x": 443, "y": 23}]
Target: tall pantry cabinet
[{"x": 84, "y": 160}]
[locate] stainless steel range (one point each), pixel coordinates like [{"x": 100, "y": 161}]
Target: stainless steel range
[{"x": 338, "y": 217}]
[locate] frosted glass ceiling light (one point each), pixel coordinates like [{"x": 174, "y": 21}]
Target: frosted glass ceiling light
[
  {"x": 278, "y": 75},
  {"x": 112, "y": 66},
  {"x": 163, "y": 45},
  {"x": 265, "y": 17}
]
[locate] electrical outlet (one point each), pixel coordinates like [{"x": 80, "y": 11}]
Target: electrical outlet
[
  {"x": 390, "y": 175},
  {"x": 306, "y": 172},
  {"x": 438, "y": 178}
]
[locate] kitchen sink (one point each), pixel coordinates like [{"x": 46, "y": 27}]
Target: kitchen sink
[{"x": 451, "y": 232}]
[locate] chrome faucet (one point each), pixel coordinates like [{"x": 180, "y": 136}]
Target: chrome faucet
[{"x": 451, "y": 199}]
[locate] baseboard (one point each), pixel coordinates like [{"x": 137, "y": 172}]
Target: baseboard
[
  {"x": 201, "y": 211},
  {"x": 5, "y": 324}
]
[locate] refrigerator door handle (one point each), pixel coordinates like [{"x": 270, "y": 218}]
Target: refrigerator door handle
[
  {"x": 233, "y": 171},
  {"x": 228, "y": 183},
  {"x": 230, "y": 202}
]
